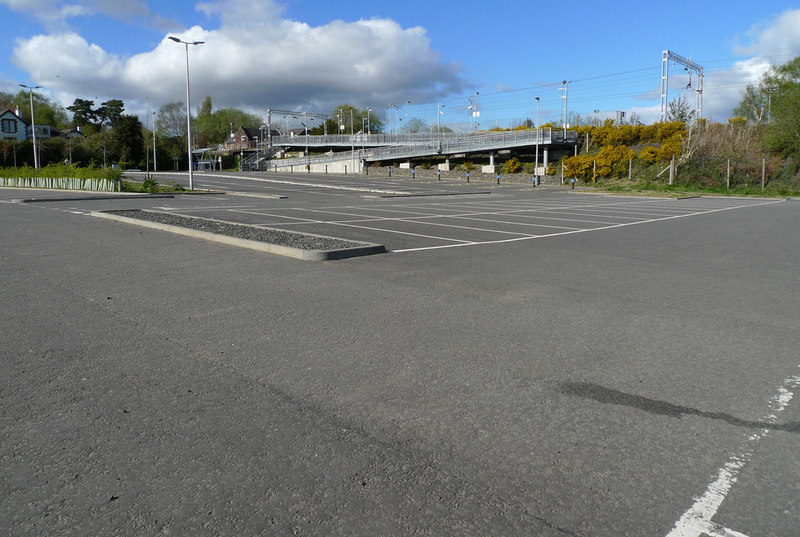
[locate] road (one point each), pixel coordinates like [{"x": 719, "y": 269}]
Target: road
[{"x": 522, "y": 362}]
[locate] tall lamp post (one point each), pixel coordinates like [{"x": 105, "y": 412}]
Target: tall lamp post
[
  {"x": 154, "y": 142},
  {"x": 476, "y": 113},
  {"x": 392, "y": 105},
  {"x": 565, "y": 88},
  {"x": 188, "y": 107},
  {"x": 439, "y": 125},
  {"x": 33, "y": 124},
  {"x": 536, "y": 173}
]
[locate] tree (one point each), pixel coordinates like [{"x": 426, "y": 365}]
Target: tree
[
  {"x": 680, "y": 110},
  {"x": 339, "y": 121},
  {"x": 204, "y": 122},
  {"x": 204, "y": 110},
  {"x": 109, "y": 112},
  {"x": 127, "y": 140},
  {"x": 171, "y": 121},
  {"x": 225, "y": 120},
  {"x": 754, "y": 104},
  {"x": 415, "y": 125},
  {"x": 83, "y": 112},
  {"x": 47, "y": 112},
  {"x": 783, "y": 85}
]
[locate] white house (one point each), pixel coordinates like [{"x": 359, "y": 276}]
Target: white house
[{"x": 12, "y": 126}]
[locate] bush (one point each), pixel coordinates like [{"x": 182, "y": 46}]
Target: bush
[
  {"x": 149, "y": 184},
  {"x": 648, "y": 155},
  {"x": 61, "y": 170},
  {"x": 512, "y": 165},
  {"x": 579, "y": 167}
]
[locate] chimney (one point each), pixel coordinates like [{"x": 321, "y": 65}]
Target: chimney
[{"x": 16, "y": 110}]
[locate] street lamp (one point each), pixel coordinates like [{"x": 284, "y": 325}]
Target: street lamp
[
  {"x": 33, "y": 124},
  {"x": 536, "y": 173},
  {"x": 439, "y": 125},
  {"x": 476, "y": 112},
  {"x": 392, "y": 105},
  {"x": 241, "y": 152},
  {"x": 154, "y": 142},
  {"x": 188, "y": 107},
  {"x": 565, "y": 88},
  {"x": 369, "y": 129}
]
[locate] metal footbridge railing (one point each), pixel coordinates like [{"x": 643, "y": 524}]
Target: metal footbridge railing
[{"x": 378, "y": 147}]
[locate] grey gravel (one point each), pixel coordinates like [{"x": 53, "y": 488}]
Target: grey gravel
[{"x": 253, "y": 233}]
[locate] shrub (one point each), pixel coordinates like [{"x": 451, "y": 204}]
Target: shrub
[
  {"x": 149, "y": 184},
  {"x": 648, "y": 155},
  {"x": 613, "y": 160},
  {"x": 512, "y": 165},
  {"x": 579, "y": 167}
]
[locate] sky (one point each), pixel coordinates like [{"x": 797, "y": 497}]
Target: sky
[{"x": 468, "y": 64}]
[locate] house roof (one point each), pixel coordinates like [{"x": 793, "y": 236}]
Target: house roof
[
  {"x": 12, "y": 113},
  {"x": 251, "y": 132}
]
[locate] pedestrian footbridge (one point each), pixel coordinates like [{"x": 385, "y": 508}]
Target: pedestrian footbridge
[{"x": 352, "y": 152}]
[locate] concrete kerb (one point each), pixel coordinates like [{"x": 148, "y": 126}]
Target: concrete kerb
[
  {"x": 362, "y": 249},
  {"x": 86, "y": 195}
]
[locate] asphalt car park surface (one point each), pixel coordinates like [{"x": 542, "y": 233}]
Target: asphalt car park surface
[{"x": 522, "y": 362}]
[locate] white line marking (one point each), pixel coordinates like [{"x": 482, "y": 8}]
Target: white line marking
[
  {"x": 312, "y": 185},
  {"x": 602, "y": 228},
  {"x": 697, "y": 520},
  {"x": 412, "y": 220},
  {"x": 344, "y": 224}
]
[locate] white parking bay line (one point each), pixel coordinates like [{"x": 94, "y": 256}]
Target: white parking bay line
[
  {"x": 313, "y": 185},
  {"x": 601, "y": 228},
  {"x": 696, "y": 521},
  {"x": 346, "y": 224}
]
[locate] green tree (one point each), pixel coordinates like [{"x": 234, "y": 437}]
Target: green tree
[
  {"x": 754, "y": 105},
  {"x": 109, "y": 112},
  {"x": 204, "y": 122},
  {"x": 415, "y": 125},
  {"x": 127, "y": 140},
  {"x": 227, "y": 120},
  {"x": 171, "y": 120},
  {"x": 46, "y": 111},
  {"x": 680, "y": 110},
  {"x": 345, "y": 115},
  {"x": 83, "y": 112},
  {"x": 783, "y": 85}
]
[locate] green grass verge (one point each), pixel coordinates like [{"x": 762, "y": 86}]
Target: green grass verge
[{"x": 149, "y": 185}]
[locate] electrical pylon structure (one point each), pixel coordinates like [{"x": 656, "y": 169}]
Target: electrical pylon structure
[{"x": 688, "y": 66}]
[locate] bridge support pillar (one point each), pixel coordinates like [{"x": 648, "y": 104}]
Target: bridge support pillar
[
  {"x": 491, "y": 159},
  {"x": 545, "y": 163}
]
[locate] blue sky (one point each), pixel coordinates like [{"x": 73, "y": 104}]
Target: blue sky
[{"x": 312, "y": 55}]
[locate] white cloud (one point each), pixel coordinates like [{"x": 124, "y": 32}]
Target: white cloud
[
  {"x": 253, "y": 62},
  {"x": 55, "y": 15},
  {"x": 778, "y": 40}
]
